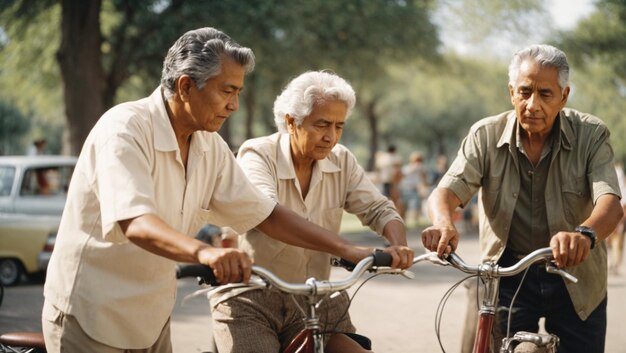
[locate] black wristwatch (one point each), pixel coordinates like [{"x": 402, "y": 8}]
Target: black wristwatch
[{"x": 589, "y": 233}]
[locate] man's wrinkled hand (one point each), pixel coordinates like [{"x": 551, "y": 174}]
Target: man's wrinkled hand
[
  {"x": 402, "y": 256},
  {"x": 229, "y": 265},
  {"x": 443, "y": 240},
  {"x": 569, "y": 248}
]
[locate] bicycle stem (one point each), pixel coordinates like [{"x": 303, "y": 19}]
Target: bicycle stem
[{"x": 487, "y": 314}]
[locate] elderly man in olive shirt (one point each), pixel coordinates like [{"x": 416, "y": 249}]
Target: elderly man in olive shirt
[{"x": 547, "y": 179}]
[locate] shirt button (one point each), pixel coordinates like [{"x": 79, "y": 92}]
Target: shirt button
[
  {"x": 581, "y": 313},
  {"x": 514, "y": 194}
]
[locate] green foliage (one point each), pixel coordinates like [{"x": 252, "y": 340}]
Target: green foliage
[
  {"x": 29, "y": 75},
  {"x": 433, "y": 106},
  {"x": 13, "y": 126},
  {"x": 388, "y": 49},
  {"x": 601, "y": 37},
  {"x": 493, "y": 27},
  {"x": 594, "y": 91},
  {"x": 596, "y": 49},
  {"x": 354, "y": 38}
]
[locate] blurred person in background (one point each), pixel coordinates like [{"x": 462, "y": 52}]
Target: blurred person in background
[
  {"x": 616, "y": 239},
  {"x": 38, "y": 147},
  {"x": 388, "y": 166},
  {"x": 413, "y": 187}
]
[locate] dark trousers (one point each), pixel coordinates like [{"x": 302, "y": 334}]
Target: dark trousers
[{"x": 545, "y": 295}]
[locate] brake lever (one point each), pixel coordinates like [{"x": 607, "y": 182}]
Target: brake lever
[
  {"x": 557, "y": 271},
  {"x": 393, "y": 271},
  {"x": 407, "y": 274}
]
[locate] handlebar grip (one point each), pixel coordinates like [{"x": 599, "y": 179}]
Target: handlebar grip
[
  {"x": 382, "y": 258},
  {"x": 204, "y": 273}
]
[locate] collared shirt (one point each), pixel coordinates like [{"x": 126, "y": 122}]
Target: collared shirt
[
  {"x": 130, "y": 165},
  {"x": 338, "y": 183},
  {"x": 580, "y": 171}
]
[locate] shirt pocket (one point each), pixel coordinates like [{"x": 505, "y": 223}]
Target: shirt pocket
[
  {"x": 491, "y": 191},
  {"x": 331, "y": 219},
  {"x": 576, "y": 199},
  {"x": 201, "y": 218}
]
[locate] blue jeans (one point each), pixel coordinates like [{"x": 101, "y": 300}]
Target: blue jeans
[{"x": 545, "y": 295}]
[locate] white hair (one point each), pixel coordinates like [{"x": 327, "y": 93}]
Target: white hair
[
  {"x": 544, "y": 55},
  {"x": 301, "y": 93}
]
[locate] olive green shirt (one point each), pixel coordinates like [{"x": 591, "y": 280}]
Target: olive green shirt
[
  {"x": 580, "y": 171},
  {"x": 529, "y": 227}
]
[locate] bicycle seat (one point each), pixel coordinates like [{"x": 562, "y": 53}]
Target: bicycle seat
[{"x": 23, "y": 339}]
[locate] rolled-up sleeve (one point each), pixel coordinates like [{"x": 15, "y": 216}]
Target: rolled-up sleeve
[
  {"x": 365, "y": 200},
  {"x": 464, "y": 176},
  {"x": 259, "y": 171},
  {"x": 236, "y": 202},
  {"x": 601, "y": 171}
]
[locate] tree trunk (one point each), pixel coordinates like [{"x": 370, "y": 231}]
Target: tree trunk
[
  {"x": 370, "y": 115},
  {"x": 81, "y": 69},
  {"x": 250, "y": 102}
]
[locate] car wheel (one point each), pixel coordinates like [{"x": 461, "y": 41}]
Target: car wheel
[{"x": 10, "y": 271}]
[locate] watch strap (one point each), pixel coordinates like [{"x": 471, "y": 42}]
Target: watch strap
[{"x": 589, "y": 233}]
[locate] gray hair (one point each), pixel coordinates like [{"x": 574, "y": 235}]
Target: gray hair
[
  {"x": 301, "y": 93},
  {"x": 199, "y": 54},
  {"x": 544, "y": 55}
]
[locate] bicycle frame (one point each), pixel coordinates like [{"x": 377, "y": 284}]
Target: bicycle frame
[
  {"x": 22, "y": 342},
  {"x": 491, "y": 274},
  {"x": 310, "y": 339}
]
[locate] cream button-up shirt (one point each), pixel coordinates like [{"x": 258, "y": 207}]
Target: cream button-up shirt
[
  {"x": 130, "y": 165},
  {"x": 338, "y": 183}
]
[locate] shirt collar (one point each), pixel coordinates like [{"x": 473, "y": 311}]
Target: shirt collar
[
  {"x": 164, "y": 137},
  {"x": 562, "y": 139},
  {"x": 285, "y": 166}
]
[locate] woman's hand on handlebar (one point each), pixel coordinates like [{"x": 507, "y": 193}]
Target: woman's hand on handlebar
[
  {"x": 442, "y": 239},
  {"x": 229, "y": 265},
  {"x": 402, "y": 256}
]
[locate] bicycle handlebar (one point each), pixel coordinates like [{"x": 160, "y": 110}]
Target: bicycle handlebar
[
  {"x": 494, "y": 270},
  {"x": 378, "y": 262}
]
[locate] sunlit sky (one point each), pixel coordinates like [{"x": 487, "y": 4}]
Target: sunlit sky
[{"x": 565, "y": 15}]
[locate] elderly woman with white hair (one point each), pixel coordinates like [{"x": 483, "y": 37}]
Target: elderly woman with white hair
[{"x": 304, "y": 168}]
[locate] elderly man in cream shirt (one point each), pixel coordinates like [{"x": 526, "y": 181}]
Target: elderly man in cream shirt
[{"x": 304, "y": 168}]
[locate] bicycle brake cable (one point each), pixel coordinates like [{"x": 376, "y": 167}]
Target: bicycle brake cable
[
  {"x": 508, "y": 321},
  {"x": 442, "y": 304},
  {"x": 345, "y": 312}
]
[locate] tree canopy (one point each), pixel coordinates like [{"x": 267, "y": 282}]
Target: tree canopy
[
  {"x": 66, "y": 61},
  {"x": 104, "y": 45}
]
